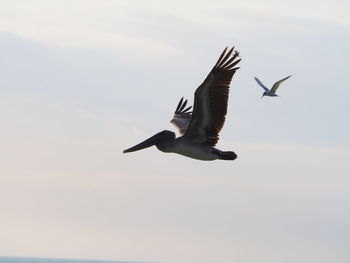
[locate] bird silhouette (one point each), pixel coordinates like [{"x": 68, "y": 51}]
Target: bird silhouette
[{"x": 271, "y": 92}]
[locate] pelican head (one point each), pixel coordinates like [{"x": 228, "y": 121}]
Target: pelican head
[
  {"x": 160, "y": 140},
  {"x": 264, "y": 94}
]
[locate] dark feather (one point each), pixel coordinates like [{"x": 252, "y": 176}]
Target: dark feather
[
  {"x": 181, "y": 107},
  {"x": 225, "y": 58},
  {"x": 187, "y": 109},
  {"x": 210, "y": 103}
]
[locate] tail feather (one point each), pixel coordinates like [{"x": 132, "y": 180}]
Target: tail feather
[{"x": 227, "y": 155}]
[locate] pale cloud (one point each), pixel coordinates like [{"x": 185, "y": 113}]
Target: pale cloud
[
  {"x": 133, "y": 26},
  {"x": 86, "y": 24},
  {"x": 174, "y": 210}
]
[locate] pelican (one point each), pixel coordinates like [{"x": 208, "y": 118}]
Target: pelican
[
  {"x": 271, "y": 92},
  {"x": 199, "y": 129}
]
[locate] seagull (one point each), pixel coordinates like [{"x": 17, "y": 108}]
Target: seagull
[
  {"x": 199, "y": 130},
  {"x": 271, "y": 92}
]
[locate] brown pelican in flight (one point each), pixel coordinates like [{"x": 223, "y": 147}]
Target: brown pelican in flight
[{"x": 199, "y": 129}]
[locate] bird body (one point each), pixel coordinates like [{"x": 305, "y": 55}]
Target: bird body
[
  {"x": 191, "y": 149},
  {"x": 199, "y": 129},
  {"x": 271, "y": 92}
]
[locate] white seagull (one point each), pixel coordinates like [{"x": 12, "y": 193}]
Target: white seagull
[{"x": 271, "y": 92}]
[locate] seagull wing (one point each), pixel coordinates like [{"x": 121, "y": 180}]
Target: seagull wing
[
  {"x": 210, "y": 101},
  {"x": 278, "y": 83},
  {"x": 261, "y": 84},
  {"x": 182, "y": 116}
]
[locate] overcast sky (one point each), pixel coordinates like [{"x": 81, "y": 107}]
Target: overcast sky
[{"x": 82, "y": 80}]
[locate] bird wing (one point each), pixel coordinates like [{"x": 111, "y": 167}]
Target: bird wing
[
  {"x": 278, "y": 83},
  {"x": 261, "y": 84},
  {"x": 182, "y": 116},
  {"x": 210, "y": 101}
]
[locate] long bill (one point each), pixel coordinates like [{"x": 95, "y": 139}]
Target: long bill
[{"x": 145, "y": 144}]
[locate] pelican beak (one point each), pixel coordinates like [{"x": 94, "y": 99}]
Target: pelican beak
[
  {"x": 262, "y": 96},
  {"x": 145, "y": 144}
]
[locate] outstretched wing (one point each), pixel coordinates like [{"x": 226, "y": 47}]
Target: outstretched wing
[
  {"x": 182, "y": 116},
  {"x": 278, "y": 83},
  {"x": 210, "y": 101},
  {"x": 261, "y": 84}
]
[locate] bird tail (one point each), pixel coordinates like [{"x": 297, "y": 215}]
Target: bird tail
[{"x": 227, "y": 155}]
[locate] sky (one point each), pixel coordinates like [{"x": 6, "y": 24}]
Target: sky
[{"x": 82, "y": 80}]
